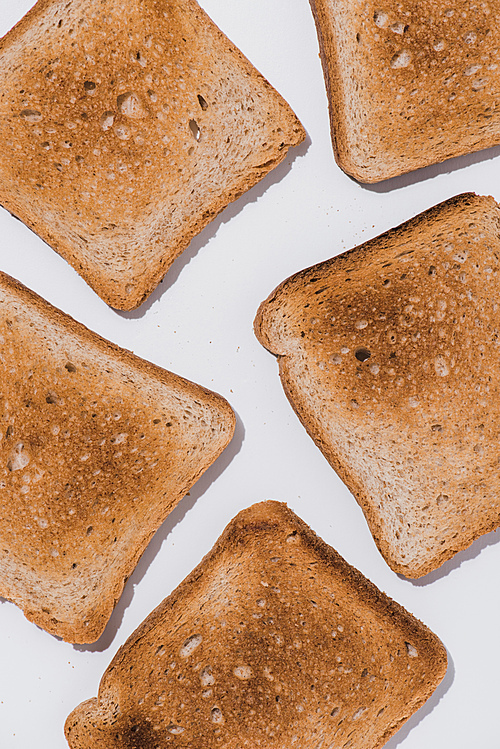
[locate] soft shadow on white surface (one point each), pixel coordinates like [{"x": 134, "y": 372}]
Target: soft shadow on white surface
[
  {"x": 489, "y": 539},
  {"x": 175, "y": 517},
  {"x": 426, "y": 709},
  {"x": 434, "y": 170},
  {"x": 201, "y": 239}
]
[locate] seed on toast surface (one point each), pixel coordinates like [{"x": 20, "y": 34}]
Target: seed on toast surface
[
  {"x": 126, "y": 126},
  {"x": 272, "y": 641},
  {"x": 410, "y": 83},
  {"x": 389, "y": 355},
  {"x": 96, "y": 448}
]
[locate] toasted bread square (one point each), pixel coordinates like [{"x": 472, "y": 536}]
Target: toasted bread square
[
  {"x": 409, "y": 83},
  {"x": 389, "y": 355},
  {"x": 126, "y": 126},
  {"x": 273, "y": 641},
  {"x": 97, "y": 446}
]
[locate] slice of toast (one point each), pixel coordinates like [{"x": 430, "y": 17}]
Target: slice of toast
[
  {"x": 273, "y": 641},
  {"x": 97, "y": 447},
  {"x": 127, "y": 126},
  {"x": 389, "y": 355},
  {"x": 409, "y": 83}
]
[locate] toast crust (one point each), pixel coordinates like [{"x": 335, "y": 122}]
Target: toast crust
[
  {"x": 126, "y": 128},
  {"x": 97, "y": 448},
  {"x": 272, "y": 641},
  {"x": 409, "y": 84},
  {"x": 387, "y": 355}
]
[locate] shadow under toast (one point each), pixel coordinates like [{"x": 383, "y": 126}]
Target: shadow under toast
[
  {"x": 431, "y": 171},
  {"x": 488, "y": 539},
  {"x": 201, "y": 239}
]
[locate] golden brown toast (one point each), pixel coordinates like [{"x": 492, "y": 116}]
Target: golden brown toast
[
  {"x": 389, "y": 355},
  {"x": 273, "y": 641},
  {"x": 97, "y": 446},
  {"x": 409, "y": 83},
  {"x": 126, "y": 126}
]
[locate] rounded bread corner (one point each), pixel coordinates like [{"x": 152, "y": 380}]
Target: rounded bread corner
[
  {"x": 266, "y": 332},
  {"x": 362, "y": 172},
  {"x": 298, "y": 134},
  {"x": 81, "y": 631},
  {"x": 77, "y": 719},
  {"x": 260, "y": 328},
  {"x": 410, "y": 571},
  {"x": 228, "y": 417},
  {"x": 124, "y": 297},
  {"x": 231, "y": 422}
]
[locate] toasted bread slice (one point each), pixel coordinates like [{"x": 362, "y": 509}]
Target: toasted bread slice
[
  {"x": 97, "y": 447},
  {"x": 127, "y": 126},
  {"x": 409, "y": 83},
  {"x": 273, "y": 641},
  {"x": 389, "y": 355}
]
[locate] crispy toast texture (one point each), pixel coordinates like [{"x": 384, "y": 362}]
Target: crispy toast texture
[
  {"x": 126, "y": 126},
  {"x": 409, "y": 83},
  {"x": 97, "y": 447},
  {"x": 273, "y": 641},
  {"x": 389, "y": 355}
]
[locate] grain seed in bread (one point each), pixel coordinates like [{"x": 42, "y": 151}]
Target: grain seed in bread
[
  {"x": 389, "y": 355},
  {"x": 126, "y": 127},
  {"x": 409, "y": 83},
  {"x": 97, "y": 446},
  {"x": 273, "y": 641}
]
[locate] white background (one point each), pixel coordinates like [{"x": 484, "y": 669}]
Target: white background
[{"x": 199, "y": 324}]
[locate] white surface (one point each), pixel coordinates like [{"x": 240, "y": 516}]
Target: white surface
[{"x": 199, "y": 324}]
